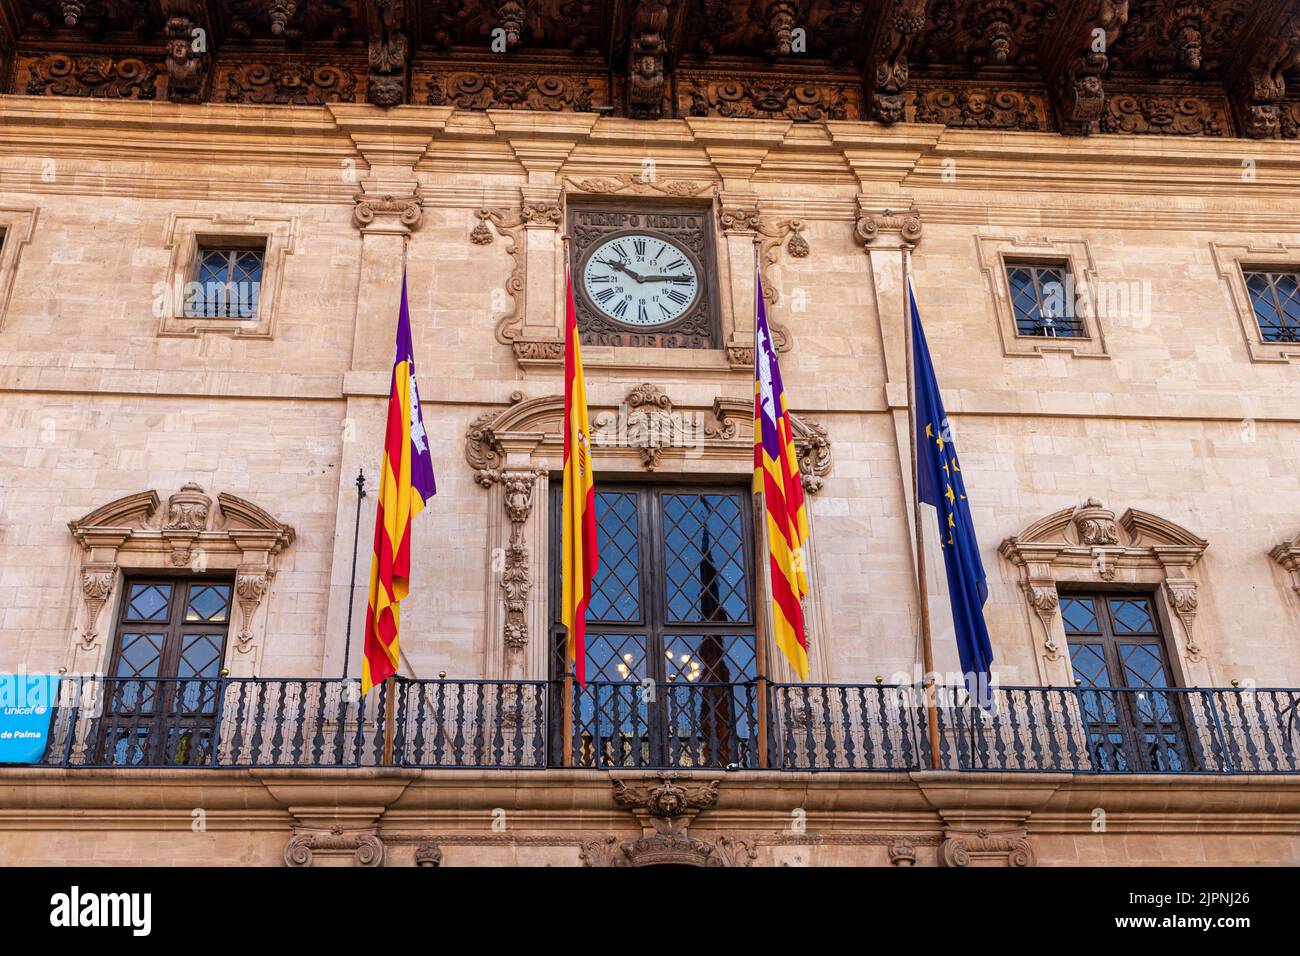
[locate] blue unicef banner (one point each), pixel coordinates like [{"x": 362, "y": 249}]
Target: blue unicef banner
[{"x": 27, "y": 706}]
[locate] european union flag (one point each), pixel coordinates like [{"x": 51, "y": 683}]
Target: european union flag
[{"x": 939, "y": 483}]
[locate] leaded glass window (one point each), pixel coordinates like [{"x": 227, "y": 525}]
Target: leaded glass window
[
  {"x": 670, "y": 655},
  {"x": 1117, "y": 653},
  {"x": 1275, "y": 298},
  {"x": 164, "y": 675},
  {"x": 1043, "y": 300},
  {"x": 227, "y": 283}
]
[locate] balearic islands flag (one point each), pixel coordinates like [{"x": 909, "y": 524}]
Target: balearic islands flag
[
  {"x": 939, "y": 482},
  {"x": 581, "y": 555},
  {"x": 405, "y": 485},
  {"x": 776, "y": 476}
]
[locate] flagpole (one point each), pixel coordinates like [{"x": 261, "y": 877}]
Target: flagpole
[
  {"x": 566, "y": 723},
  {"x": 390, "y": 685},
  {"x": 922, "y": 592},
  {"x": 760, "y": 641}
]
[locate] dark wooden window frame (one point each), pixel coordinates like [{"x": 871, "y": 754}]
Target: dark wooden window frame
[{"x": 180, "y": 586}]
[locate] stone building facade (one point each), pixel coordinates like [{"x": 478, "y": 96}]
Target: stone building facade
[{"x": 1150, "y": 459}]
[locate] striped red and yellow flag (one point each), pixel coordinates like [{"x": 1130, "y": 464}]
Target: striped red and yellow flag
[
  {"x": 776, "y": 477},
  {"x": 405, "y": 484},
  {"x": 581, "y": 557}
]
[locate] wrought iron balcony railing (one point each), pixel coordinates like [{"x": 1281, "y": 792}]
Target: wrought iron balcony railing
[{"x": 240, "y": 723}]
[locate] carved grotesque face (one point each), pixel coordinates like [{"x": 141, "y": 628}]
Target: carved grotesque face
[
  {"x": 978, "y": 104},
  {"x": 386, "y": 90},
  {"x": 1161, "y": 111},
  {"x": 1263, "y": 121},
  {"x": 291, "y": 80},
  {"x": 513, "y": 89},
  {"x": 178, "y": 48},
  {"x": 889, "y": 109},
  {"x": 646, "y": 66},
  {"x": 769, "y": 97}
]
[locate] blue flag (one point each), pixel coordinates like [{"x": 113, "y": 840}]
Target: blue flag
[{"x": 939, "y": 483}]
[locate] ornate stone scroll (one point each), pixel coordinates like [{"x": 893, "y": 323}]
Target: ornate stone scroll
[
  {"x": 1088, "y": 543},
  {"x": 510, "y": 226}
]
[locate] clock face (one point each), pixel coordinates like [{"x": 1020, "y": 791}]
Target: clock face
[{"x": 641, "y": 280}]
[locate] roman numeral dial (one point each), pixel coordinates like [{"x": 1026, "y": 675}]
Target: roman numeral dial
[{"x": 641, "y": 280}]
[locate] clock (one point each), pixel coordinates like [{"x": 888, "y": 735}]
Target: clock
[
  {"x": 641, "y": 280},
  {"x": 644, "y": 275}
]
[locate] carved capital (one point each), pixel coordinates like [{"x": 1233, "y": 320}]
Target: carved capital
[
  {"x": 544, "y": 214},
  {"x": 902, "y": 852},
  {"x": 428, "y": 854},
  {"x": 738, "y": 219},
  {"x": 310, "y": 847},
  {"x": 388, "y": 213},
  {"x": 889, "y": 227},
  {"x": 1004, "y": 847}
]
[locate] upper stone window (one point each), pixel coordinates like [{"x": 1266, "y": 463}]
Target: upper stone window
[
  {"x": 1043, "y": 300},
  {"x": 1275, "y": 299},
  {"x": 227, "y": 280}
]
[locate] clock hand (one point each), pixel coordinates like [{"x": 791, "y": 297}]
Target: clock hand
[
  {"x": 663, "y": 278},
  {"x": 622, "y": 267}
]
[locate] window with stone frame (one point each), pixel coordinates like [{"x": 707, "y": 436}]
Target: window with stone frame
[
  {"x": 1043, "y": 299},
  {"x": 227, "y": 280},
  {"x": 1275, "y": 301},
  {"x": 163, "y": 681}
]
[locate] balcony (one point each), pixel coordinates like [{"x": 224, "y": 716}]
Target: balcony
[{"x": 461, "y": 724}]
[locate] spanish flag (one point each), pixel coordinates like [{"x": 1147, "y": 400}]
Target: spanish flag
[
  {"x": 405, "y": 484},
  {"x": 581, "y": 556},
  {"x": 776, "y": 477}
]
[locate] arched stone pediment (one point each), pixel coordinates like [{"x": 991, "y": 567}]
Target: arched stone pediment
[
  {"x": 647, "y": 424},
  {"x": 191, "y": 534},
  {"x": 1089, "y": 543}
]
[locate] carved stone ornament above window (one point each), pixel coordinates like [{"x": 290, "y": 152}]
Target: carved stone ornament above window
[
  {"x": 134, "y": 534},
  {"x": 647, "y": 427},
  {"x": 513, "y": 450},
  {"x": 1086, "y": 544}
]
